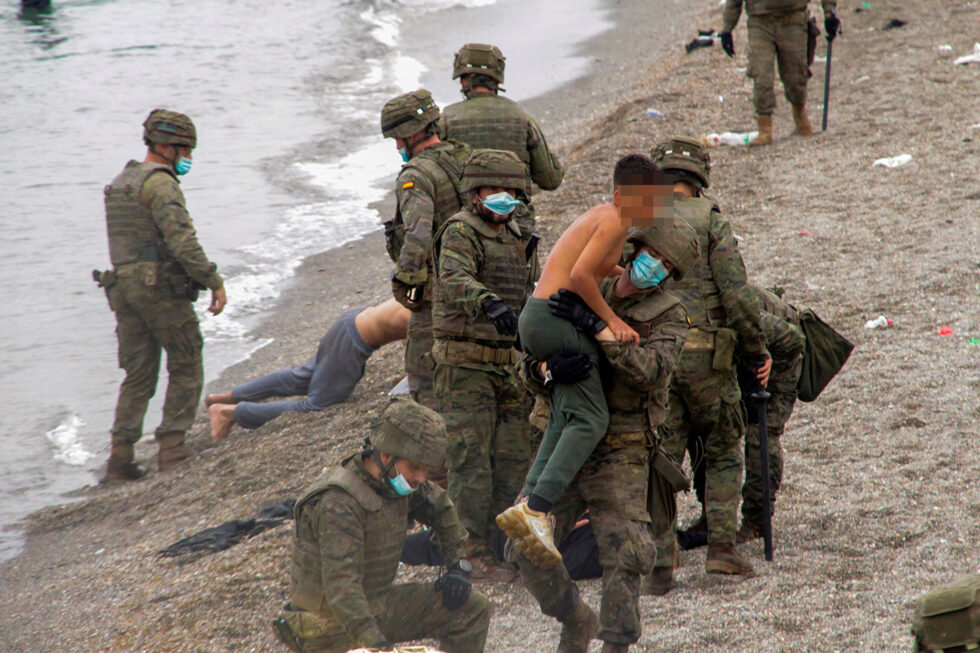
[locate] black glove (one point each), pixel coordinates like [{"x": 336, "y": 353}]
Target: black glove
[
  {"x": 503, "y": 316},
  {"x": 455, "y": 585},
  {"x": 727, "y": 43},
  {"x": 831, "y": 24},
  {"x": 569, "y": 366},
  {"x": 569, "y": 306},
  {"x": 408, "y": 296}
]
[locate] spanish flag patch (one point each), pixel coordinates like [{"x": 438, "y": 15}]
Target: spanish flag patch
[{"x": 408, "y": 184}]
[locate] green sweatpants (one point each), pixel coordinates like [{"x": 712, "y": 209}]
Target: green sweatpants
[{"x": 579, "y": 415}]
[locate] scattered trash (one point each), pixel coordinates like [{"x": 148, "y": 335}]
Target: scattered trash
[
  {"x": 700, "y": 42},
  {"x": 974, "y": 341},
  {"x": 653, "y": 113},
  {"x": 879, "y": 322},
  {"x": 820, "y": 59},
  {"x": 864, "y": 7},
  {"x": 895, "y": 23},
  {"x": 893, "y": 161},
  {"x": 729, "y": 138},
  {"x": 812, "y": 286},
  {"x": 976, "y": 126},
  {"x": 721, "y": 98},
  {"x": 945, "y": 50},
  {"x": 706, "y": 32},
  {"x": 805, "y": 233},
  {"x": 970, "y": 58},
  {"x": 740, "y": 69},
  {"x": 945, "y": 331},
  {"x": 863, "y": 78}
]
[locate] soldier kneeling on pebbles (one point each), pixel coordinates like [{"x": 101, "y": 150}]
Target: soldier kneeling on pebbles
[{"x": 350, "y": 526}]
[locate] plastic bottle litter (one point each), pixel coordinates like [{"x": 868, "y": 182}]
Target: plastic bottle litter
[
  {"x": 653, "y": 113},
  {"x": 945, "y": 331},
  {"x": 880, "y": 322},
  {"x": 729, "y": 138},
  {"x": 970, "y": 58},
  {"x": 974, "y": 341},
  {"x": 862, "y": 78},
  {"x": 893, "y": 161},
  {"x": 945, "y": 50}
]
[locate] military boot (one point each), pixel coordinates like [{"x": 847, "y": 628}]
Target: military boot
[
  {"x": 609, "y": 647},
  {"x": 765, "y": 130},
  {"x": 658, "y": 582},
  {"x": 803, "y": 126},
  {"x": 578, "y": 628},
  {"x": 120, "y": 466},
  {"x": 724, "y": 559},
  {"x": 486, "y": 567},
  {"x": 748, "y": 531},
  {"x": 172, "y": 451}
]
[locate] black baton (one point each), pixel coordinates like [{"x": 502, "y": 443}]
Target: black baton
[{"x": 760, "y": 398}]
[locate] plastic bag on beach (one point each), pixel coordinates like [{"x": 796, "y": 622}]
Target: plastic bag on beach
[
  {"x": 226, "y": 535},
  {"x": 970, "y": 58},
  {"x": 892, "y": 161}
]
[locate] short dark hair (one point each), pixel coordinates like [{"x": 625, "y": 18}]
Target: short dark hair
[{"x": 637, "y": 170}]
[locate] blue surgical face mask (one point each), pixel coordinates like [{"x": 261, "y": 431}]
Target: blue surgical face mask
[
  {"x": 501, "y": 203},
  {"x": 183, "y": 165},
  {"x": 405, "y": 154},
  {"x": 647, "y": 271},
  {"x": 400, "y": 485}
]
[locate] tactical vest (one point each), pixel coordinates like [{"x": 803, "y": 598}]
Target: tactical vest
[
  {"x": 384, "y": 520},
  {"x": 697, "y": 290},
  {"x": 504, "y": 273},
  {"x": 132, "y": 233},
  {"x": 629, "y": 410},
  {"x": 772, "y": 303},
  {"x": 489, "y": 121}
]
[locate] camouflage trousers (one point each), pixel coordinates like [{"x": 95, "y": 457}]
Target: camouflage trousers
[
  {"x": 778, "y": 40},
  {"x": 612, "y": 486},
  {"x": 489, "y": 440},
  {"x": 150, "y": 319},
  {"x": 783, "y": 381},
  {"x": 418, "y": 357},
  {"x": 412, "y": 611},
  {"x": 706, "y": 418}
]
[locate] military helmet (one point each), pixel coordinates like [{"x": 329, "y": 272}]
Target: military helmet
[
  {"x": 494, "y": 168},
  {"x": 672, "y": 239},
  {"x": 408, "y": 114},
  {"x": 481, "y": 59},
  {"x": 169, "y": 128},
  {"x": 413, "y": 432},
  {"x": 682, "y": 153}
]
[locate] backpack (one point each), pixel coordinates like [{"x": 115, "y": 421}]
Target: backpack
[
  {"x": 949, "y": 616},
  {"x": 825, "y": 353}
]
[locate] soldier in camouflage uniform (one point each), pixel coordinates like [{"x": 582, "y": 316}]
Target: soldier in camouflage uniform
[
  {"x": 779, "y": 31},
  {"x": 350, "y": 525},
  {"x": 427, "y": 192},
  {"x": 781, "y": 324},
  {"x": 482, "y": 279},
  {"x": 705, "y": 407},
  {"x": 613, "y": 484},
  {"x": 486, "y": 119},
  {"x": 158, "y": 265}
]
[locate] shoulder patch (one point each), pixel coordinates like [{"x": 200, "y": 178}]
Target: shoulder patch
[{"x": 408, "y": 184}]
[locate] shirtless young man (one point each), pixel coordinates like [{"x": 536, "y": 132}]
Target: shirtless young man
[{"x": 587, "y": 252}]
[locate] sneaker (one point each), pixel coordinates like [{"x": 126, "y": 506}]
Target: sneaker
[{"x": 532, "y": 533}]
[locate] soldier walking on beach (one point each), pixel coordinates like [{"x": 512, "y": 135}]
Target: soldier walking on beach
[
  {"x": 427, "y": 192},
  {"x": 350, "y": 526},
  {"x": 705, "y": 410},
  {"x": 780, "y": 31},
  {"x": 482, "y": 281},
  {"x": 612, "y": 484},
  {"x": 158, "y": 268}
]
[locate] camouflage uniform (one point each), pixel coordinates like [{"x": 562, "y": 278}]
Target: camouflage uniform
[
  {"x": 154, "y": 249},
  {"x": 348, "y": 536},
  {"x": 780, "y": 322},
  {"x": 476, "y": 381},
  {"x": 777, "y": 33},
  {"x": 705, "y": 411}
]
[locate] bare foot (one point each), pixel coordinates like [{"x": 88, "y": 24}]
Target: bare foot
[
  {"x": 222, "y": 418},
  {"x": 224, "y": 398}
]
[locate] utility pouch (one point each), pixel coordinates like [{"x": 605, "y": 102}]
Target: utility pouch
[
  {"x": 812, "y": 33},
  {"x": 724, "y": 350},
  {"x": 146, "y": 272},
  {"x": 670, "y": 471},
  {"x": 106, "y": 280},
  {"x": 948, "y": 617}
]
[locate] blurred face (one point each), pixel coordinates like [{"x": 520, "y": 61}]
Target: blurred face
[{"x": 639, "y": 206}]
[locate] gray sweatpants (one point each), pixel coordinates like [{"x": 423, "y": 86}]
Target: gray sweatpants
[{"x": 326, "y": 379}]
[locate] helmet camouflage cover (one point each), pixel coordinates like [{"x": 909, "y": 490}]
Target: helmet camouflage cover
[
  {"x": 479, "y": 58},
  {"x": 672, "y": 239},
  {"x": 494, "y": 168},
  {"x": 408, "y": 114},
  {"x": 413, "y": 432},
  {"x": 683, "y": 153},
  {"x": 169, "y": 128}
]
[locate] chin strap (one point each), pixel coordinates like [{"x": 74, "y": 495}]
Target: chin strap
[{"x": 385, "y": 469}]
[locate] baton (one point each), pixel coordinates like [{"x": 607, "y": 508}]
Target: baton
[
  {"x": 760, "y": 397},
  {"x": 826, "y": 83}
]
